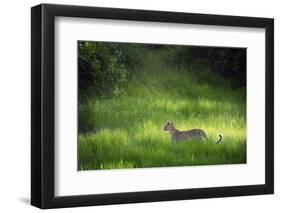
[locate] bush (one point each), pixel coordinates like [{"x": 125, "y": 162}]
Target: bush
[{"x": 101, "y": 71}]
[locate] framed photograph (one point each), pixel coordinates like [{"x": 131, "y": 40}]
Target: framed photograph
[{"x": 139, "y": 106}]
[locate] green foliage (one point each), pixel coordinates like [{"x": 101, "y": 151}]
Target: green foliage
[
  {"x": 126, "y": 131},
  {"x": 101, "y": 73},
  {"x": 132, "y": 56}
]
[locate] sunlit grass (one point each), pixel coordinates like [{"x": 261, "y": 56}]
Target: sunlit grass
[{"x": 127, "y": 131}]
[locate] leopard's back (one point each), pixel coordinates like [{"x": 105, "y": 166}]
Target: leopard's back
[{"x": 188, "y": 135}]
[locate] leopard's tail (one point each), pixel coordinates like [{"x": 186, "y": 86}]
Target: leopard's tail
[{"x": 220, "y": 139}]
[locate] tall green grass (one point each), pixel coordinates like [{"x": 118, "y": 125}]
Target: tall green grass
[{"x": 126, "y": 131}]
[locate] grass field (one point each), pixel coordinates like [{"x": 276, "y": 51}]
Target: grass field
[{"x": 126, "y": 131}]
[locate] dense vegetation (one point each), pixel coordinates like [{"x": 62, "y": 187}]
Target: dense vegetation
[{"x": 127, "y": 92}]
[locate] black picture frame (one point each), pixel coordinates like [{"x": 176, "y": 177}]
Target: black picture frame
[{"x": 43, "y": 102}]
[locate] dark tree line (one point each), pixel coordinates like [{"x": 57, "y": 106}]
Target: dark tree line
[
  {"x": 230, "y": 63},
  {"x": 104, "y": 68}
]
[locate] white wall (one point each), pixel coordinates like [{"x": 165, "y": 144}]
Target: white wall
[{"x": 15, "y": 105}]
